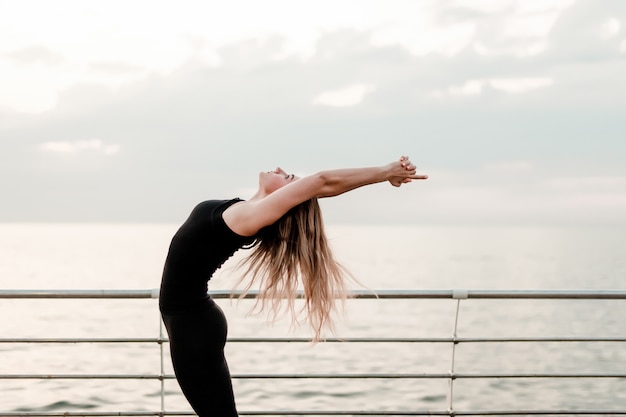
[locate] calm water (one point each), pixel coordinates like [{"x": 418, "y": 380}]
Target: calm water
[{"x": 61, "y": 256}]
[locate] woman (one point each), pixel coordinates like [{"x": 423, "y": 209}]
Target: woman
[{"x": 282, "y": 222}]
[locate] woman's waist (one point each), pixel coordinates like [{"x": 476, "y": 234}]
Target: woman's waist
[
  {"x": 180, "y": 297},
  {"x": 184, "y": 305}
]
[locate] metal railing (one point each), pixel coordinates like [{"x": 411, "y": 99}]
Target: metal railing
[{"x": 452, "y": 376}]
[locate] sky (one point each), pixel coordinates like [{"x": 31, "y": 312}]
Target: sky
[{"x": 134, "y": 111}]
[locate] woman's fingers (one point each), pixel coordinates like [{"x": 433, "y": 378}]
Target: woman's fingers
[
  {"x": 409, "y": 173},
  {"x": 406, "y": 163},
  {"x": 409, "y": 167}
]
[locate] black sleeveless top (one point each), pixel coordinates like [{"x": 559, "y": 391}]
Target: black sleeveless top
[{"x": 199, "y": 247}]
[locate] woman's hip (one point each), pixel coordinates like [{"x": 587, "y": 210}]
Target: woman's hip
[{"x": 203, "y": 325}]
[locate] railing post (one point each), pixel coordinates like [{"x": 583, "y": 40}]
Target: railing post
[
  {"x": 162, "y": 372},
  {"x": 458, "y": 295}
]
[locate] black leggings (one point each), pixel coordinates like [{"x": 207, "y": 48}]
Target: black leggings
[{"x": 197, "y": 339}]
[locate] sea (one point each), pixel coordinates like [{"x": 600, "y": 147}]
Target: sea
[{"x": 381, "y": 257}]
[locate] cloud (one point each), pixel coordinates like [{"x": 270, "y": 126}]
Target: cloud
[
  {"x": 344, "y": 97},
  {"x": 87, "y": 145},
  {"x": 505, "y": 27},
  {"x": 35, "y": 54},
  {"x": 587, "y": 32},
  {"x": 469, "y": 88},
  {"x": 519, "y": 85},
  {"x": 610, "y": 28},
  {"x": 115, "y": 67},
  {"x": 506, "y": 85}
]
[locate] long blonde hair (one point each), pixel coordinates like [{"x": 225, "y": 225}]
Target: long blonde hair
[{"x": 294, "y": 251}]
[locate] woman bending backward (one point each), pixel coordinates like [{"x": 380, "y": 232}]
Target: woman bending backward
[{"x": 282, "y": 224}]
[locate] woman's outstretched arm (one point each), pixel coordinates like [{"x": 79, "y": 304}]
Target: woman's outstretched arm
[
  {"x": 339, "y": 181},
  {"x": 248, "y": 217}
]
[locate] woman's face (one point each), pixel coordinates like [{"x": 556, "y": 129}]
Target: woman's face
[{"x": 271, "y": 181}]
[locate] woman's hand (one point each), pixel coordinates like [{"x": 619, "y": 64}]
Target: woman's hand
[{"x": 403, "y": 171}]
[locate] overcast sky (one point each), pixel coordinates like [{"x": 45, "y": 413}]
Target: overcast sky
[{"x": 136, "y": 110}]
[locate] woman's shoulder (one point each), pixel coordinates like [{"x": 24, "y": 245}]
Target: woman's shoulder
[
  {"x": 216, "y": 203},
  {"x": 212, "y": 208}
]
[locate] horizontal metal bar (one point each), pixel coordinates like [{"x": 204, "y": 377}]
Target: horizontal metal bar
[
  {"x": 97, "y": 413},
  {"x": 323, "y": 413},
  {"x": 154, "y": 293},
  {"x": 537, "y": 339},
  {"x": 538, "y": 412},
  {"x": 454, "y": 294},
  {"x": 331, "y": 340},
  {"x": 540, "y": 375},
  {"x": 331, "y": 376},
  {"x": 363, "y": 294},
  {"x": 550, "y": 294},
  {"x": 432, "y": 376},
  {"x": 426, "y": 339},
  {"x": 85, "y": 376},
  {"x": 82, "y": 340}
]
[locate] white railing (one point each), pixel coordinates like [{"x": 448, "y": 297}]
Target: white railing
[{"x": 458, "y": 295}]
